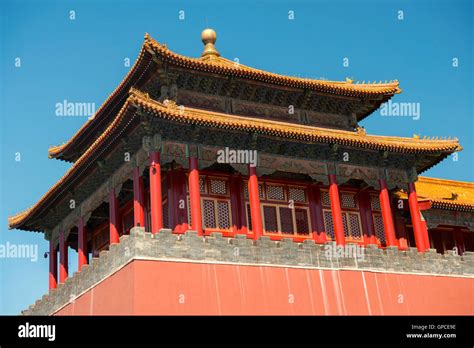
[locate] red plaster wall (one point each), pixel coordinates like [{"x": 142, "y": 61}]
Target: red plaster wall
[{"x": 156, "y": 287}]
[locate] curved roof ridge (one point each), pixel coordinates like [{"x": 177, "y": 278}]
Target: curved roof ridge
[{"x": 226, "y": 66}]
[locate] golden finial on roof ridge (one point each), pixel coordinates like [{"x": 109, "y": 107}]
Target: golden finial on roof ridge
[{"x": 208, "y": 37}]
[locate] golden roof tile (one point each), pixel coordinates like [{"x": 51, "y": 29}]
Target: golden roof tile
[{"x": 444, "y": 194}]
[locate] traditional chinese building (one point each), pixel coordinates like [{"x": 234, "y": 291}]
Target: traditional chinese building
[{"x": 170, "y": 215}]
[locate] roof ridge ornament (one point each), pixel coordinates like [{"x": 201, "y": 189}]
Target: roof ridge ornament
[{"x": 208, "y": 37}]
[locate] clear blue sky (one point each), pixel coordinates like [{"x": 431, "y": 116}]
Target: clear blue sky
[{"x": 81, "y": 60}]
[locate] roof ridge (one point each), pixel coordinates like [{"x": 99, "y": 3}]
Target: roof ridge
[
  {"x": 238, "y": 66},
  {"x": 445, "y": 181}
]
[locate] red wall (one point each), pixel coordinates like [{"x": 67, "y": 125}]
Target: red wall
[{"x": 156, "y": 287}]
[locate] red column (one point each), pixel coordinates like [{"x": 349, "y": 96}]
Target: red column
[
  {"x": 195, "y": 195},
  {"x": 63, "y": 267},
  {"x": 138, "y": 199},
  {"x": 155, "y": 193},
  {"x": 316, "y": 211},
  {"x": 336, "y": 210},
  {"x": 114, "y": 217},
  {"x": 387, "y": 214},
  {"x": 254, "y": 200},
  {"x": 416, "y": 217},
  {"x": 53, "y": 266},
  {"x": 82, "y": 244}
]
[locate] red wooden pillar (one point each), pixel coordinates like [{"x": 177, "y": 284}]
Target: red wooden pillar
[
  {"x": 387, "y": 214},
  {"x": 195, "y": 195},
  {"x": 254, "y": 200},
  {"x": 367, "y": 218},
  {"x": 82, "y": 253},
  {"x": 336, "y": 210},
  {"x": 138, "y": 199},
  {"x": 114, "y": 218},
  {"x": 63, "y": 250},
  {"x": 316, "y": 211},
  {"x": 416, "y": 217},
  {"x": 155, "y": 193},
  {"x": 53, "y": 266}
]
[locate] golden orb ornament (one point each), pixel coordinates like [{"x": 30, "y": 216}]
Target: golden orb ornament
[{"x": 208, "y": 37}]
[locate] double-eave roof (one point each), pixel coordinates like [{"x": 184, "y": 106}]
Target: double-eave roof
[{"x": 82, "y": 139}]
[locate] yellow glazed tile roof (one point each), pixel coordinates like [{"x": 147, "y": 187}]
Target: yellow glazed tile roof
[
  {"x": 220, "y": 65},
  {"x": 293, "y": 131},
  {"x": 444, "y": 194}
]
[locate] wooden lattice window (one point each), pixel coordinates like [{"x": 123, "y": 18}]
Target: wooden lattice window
[
  {"x": 281, "y": 219},
  {"x": 246, "y": 190},
  {"x": 325, "y": 200},
  {"x": 218, "y": 187},
  {"x": 297, "y": 194},
  {"x": 375, "y": 203},
  {"x": 350, "y": 216},
  {"x": 328, "y": 224},
  {"x": 348, "y": 201},
  {"x": 379, "y": 227},
  {"x": 275, "y": 192},
  {"x": 378, "y": 219},
  {"x": 216, "y": 214}
]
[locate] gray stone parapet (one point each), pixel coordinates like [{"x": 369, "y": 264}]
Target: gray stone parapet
[{"x": 189, "y": 247}]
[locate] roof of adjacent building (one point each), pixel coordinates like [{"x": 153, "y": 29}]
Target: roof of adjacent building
[
  {"x": 445, "y": 194},
  {"x": 209, "y": 62},
  {"x": 171, "y": 111}
]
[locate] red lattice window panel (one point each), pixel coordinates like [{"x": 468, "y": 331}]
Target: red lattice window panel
[
  {"x": 223, "y": 215},
  {"x": 275, "y": 192},
  {"x": 246, "y": 190},
  {"x": 270, "y": 218},
  {"x": 209, "y": 213},
  {"x": 188, "y": 206},
  {"x": 286, "y": 220},
  {"x": 202, "y": 185},
  {"x": 302, "y": 221},
  {"x": 354, "y": 226},
  {"x": 328, "y": 224},
  {"x": 375, "y": 203},
  {"x": 325, "y": 200},
  {"x": 297, "y": 194},
  {"x": 348, "y": 201},
  {"x": 379, "y": 228},
  {"x": 249, "y": 217},
  {"x": 218, "y": 186}
]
